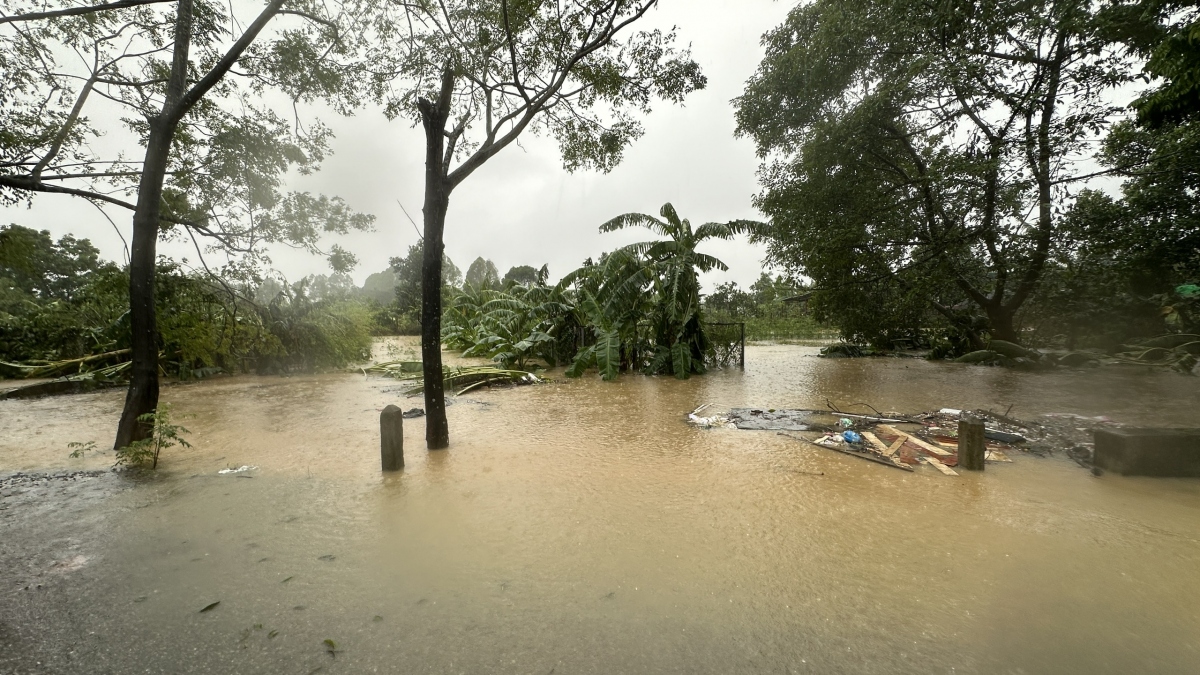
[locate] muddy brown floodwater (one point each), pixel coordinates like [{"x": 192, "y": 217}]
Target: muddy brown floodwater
[{"x": 583, "y": 527}]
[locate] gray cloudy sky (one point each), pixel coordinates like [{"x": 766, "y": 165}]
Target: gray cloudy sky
[{"x": 521, "y": 207}]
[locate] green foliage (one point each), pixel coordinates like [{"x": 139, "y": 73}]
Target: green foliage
[
  {"x": 1120, "y": 261},
  {"x": 513, "y": 327},
  {"x": 641, "y": 303},
  {"x": 482, "y": 275},
  {"x": 165, "y": 434},
  {"x": 79, "y": 307},
  {"x": 1167, "y": 34},
  {"x": 33, "y": 264},
  {"x": 524, "y": 275},
  {"x": 585, "y": 92},
  {"x": 231, "y": 152},
  {"x": 79, "y": 449},
  {"x": 913, "y": 154},
  {"x": 772, "y": 309},
  {"x": 638, "y": 308},
  {"x": 404, "y": 313}
]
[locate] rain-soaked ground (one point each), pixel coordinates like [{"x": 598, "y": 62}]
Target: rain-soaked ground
[{"x": 583, "y": 527}]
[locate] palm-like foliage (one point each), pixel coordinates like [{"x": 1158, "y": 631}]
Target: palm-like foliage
[
  {"x": 637, "y": 308},
  {"x": 670, "y": 266}
]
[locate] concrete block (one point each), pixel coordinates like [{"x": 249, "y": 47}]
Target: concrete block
[
  {"x": 1149, "y": 452},
  {"x": 391, "y": 438}
]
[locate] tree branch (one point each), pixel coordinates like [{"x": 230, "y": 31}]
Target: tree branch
[{"x": 75, "y": 11}]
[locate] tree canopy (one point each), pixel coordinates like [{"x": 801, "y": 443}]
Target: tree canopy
[{"x": 915, "y": 155}]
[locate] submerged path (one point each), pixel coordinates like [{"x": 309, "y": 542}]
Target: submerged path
[{"x": 582, "y": 527}]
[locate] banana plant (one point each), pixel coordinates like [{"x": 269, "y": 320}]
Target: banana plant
[{"x": 679, "y": 343}]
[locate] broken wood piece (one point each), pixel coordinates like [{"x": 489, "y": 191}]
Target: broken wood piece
[
  {"x": 846, "y": 451},
  {"x": 891, "y": 451},
  {"x": 996, "y": 456},
  {"x": 937, "y": 464},
  {"x": 874, "y": 440},
  {"x": 916, "y": 441}
]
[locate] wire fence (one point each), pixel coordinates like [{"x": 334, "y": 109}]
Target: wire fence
[{"x": 726, "y": 344}]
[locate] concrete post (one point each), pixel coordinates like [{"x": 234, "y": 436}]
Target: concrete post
[
  {"x": 391, "y": 438},
  {"x": 971, "y": 445}
]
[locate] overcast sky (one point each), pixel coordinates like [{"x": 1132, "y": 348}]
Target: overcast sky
[{"x": 522, "y": 208}]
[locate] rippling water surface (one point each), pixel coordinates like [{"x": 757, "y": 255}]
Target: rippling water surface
[{"x": 582, "y": 527}]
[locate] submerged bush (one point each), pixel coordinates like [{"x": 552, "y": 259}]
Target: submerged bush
[{"x": 75, "y": 305}]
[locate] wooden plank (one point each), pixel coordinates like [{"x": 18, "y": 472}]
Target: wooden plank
[
  {"x": 874, "y": 440},
  {"x": 916, "y": 441},
  {"x": 894, "y": 447},
  {"x": 860, "y": 455},
  {"x": 937, "y": 464},
  {"x": 996, "y": 456}
]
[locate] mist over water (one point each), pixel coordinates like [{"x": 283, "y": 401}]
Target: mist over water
[{"x": 583, "y": 527}]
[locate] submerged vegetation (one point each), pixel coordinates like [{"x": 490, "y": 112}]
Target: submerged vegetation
[
  {"x": 772, "y": 309},
  {"x": 69, "y": 314},
  {"x": 637, "y": 309}
]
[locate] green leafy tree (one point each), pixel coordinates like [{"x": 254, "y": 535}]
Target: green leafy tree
[
  {"x": 523, "y": 275},
  {"x": 916, "y": 156},
  {"x": 36, "y": 265},
  {"x": 408, "y": 270},
  {"x": 214, "y": 172},
  {"x": 1167, "y": 34},
  {"x": 482, "y": 274},
  {"x": 476, "y": 76}
]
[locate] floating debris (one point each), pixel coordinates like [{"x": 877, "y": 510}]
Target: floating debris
[
  {"x": 466, "y": 377},
  {"x": 241, "y": 469},
  {"x": 925, "y": 438}
]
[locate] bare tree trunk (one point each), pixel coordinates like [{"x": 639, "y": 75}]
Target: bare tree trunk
[
  {"x": 437, "y": 429},
  {"x": 142, "y": 397},
  {"x": 437, "y": 200},
  {"x": 1000, "y": 323}
]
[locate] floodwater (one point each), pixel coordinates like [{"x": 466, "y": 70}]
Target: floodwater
[{"x": 583, "y": 527}]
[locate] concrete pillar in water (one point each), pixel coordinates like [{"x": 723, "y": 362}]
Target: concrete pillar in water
[
  {"x": 391, "y": 438},
  {"x": 971, "y": 445}
]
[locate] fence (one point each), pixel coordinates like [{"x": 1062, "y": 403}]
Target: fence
[{"x": 726, "y": 344}]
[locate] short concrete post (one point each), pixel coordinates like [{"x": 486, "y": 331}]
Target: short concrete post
[
  {"x": 971, "y": 445},
  {"x": 391, "y": 438}
]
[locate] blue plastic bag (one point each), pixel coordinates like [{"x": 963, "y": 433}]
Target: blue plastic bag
[{"x": 851, "y": 437}]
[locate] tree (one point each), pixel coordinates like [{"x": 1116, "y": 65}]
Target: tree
[
  {"x": 408, "y": 280},
  {"x": 478, "y": 75},
  {"x": 213, "y": 172},
  {"x": 33, "y": 263},
  {"x": 482, "y": 275},
  {"x": 521, "y": 275},
  {"x": 641, "y": 302},
  {"x": 1167, "y": 34},
  {"x": 916, "y": 156}
]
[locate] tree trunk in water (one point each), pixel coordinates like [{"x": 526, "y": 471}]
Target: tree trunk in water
[
  {"x": 437, "y": 199},
  {"x": 142, "y": 397},
  {"x": 1000, "y": 323}
]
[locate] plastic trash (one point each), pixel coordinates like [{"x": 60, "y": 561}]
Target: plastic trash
[
  {"x": 851, "y": 436},
  {"x": 949, "y": 411},
  {"x": 846, "y": 422},
  {"x": 240, "y": 469},
  {"x": 1188, "y": 290}
]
